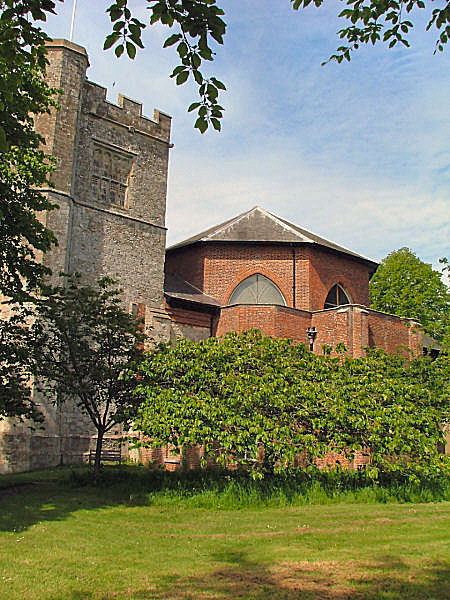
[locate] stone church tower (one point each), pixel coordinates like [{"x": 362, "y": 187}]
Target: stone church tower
[{"x": 110, "y": 185}]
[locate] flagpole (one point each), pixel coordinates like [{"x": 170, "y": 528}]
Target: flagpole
[{"x": 73, "y": 19}]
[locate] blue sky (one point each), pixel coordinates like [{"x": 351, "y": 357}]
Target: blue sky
[{"x": 358, "y": 153}]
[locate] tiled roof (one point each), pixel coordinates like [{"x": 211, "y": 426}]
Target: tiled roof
[
  {"x": 258, "y": 225},
  {"x": 175, "y": 287}
]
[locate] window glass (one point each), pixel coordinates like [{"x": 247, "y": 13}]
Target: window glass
[
  {"x": 257, "y": 289},
  {"x": 336, "y": 297}
]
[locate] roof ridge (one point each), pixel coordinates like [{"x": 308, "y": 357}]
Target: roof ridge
[
  {"x": 264, "y": 226},
  {"x": 230, "y": 223},
  {"x": 286, "y": 224}
]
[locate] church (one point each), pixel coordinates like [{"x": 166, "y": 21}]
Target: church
[{"x": 256, "y": 270}]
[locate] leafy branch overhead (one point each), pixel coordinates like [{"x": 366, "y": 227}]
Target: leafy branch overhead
[
  {"x": 388, "y": 21},
  {"x": 199, "y": 24}
]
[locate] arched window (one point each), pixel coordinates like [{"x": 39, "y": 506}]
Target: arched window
[
  {"x": 257, "y": 289},
  {"x": 336, "y": 297}
]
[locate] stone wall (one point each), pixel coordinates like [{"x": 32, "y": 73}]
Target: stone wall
[
  {"x": 110, "y": 185},
  {"x": 187, "y": 323}
]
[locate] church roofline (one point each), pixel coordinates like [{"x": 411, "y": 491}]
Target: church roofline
[{"x": 269, "y": 233}]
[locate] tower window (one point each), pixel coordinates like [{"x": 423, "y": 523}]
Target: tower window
[
  {"x": 336, "y": 297},
  {"x": 110, "y": 174},
  {"x": 257, "y": 289}
]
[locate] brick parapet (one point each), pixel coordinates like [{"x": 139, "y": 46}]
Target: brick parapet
[{"x": 272, "y": 320}]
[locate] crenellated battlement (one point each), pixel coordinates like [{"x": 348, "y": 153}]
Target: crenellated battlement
[
  {"x": 126, "y": 112},
  {"x": 69, "y": 63}
]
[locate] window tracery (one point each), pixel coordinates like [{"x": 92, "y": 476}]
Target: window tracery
[
  {"x": 337, "y": 296},
  {"x": 257, "y": 289},
  {"x": 110, "y": 174}
]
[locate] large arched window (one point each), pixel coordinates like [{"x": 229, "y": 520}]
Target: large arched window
[
  {"x": 257, "y": 289},
  {"x": 336, "y": 297}
]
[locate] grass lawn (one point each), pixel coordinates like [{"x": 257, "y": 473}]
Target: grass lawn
[{"x": 63, "y": 543}]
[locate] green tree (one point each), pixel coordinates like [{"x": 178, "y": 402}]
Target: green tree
[
  {"x": 24, "y": 167},
  {"x": 403, "y": 285},
  {"x": 80, "y": 342},
  {"x": 244, "y": 392},
  {"x": 16, "y": 398}
]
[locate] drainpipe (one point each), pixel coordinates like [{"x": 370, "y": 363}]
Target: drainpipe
[
  {"x": 211, "y": 325},
  {"x": 293, "y": 277}
]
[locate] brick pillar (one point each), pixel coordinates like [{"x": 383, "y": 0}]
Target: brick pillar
[
  {"x": 415, "y": 338},
  {"x": 360, "y": 331}
]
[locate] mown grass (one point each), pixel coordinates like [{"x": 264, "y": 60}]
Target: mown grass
[{"x": 145, "y": 535}]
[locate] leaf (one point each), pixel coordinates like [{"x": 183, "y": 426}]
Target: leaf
[
  {"x": 182, "y": 49},
  {"x": 215, "y": 123},
  {"x": 182, "y": 77},
  {"x": 110, "y": 40},
  {"x": 202, "y": 124},
  {"x": 193, "y": 106},
  {"x": 131, "y": 50},
  {"x": 196, "y": 61},
  {"x": 177, "y": 70},
  {"x": 3, "y": 142},
  {"x": 119, "y": 50},
  {"x": 198, "y": 77},
  {"x": 173, "y": 39},
  {"x": 218, "y": 83}
]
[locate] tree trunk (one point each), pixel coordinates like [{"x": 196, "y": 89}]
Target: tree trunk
[{"x": 98, "y": 451}]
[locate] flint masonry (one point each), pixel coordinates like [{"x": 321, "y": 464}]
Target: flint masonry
[{"x": 110, "y": 185}]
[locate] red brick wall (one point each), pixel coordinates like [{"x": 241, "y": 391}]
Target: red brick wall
[
  {"x": 276, "y": 321},
  {"x": 392, "y": 333},
  {"x": 187, "y": 263},
  {"x": 358, "y": 327},
  {"x": 217, "y": 268},
  {"x": 196, "y": 318},
  {"x": 333, "y": 327},
  {"x": 327, "y": 269}
]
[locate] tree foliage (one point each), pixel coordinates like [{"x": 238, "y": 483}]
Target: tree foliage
[
  {"x": 199, "y": 25},
  {"x": 16, "y": 399},
  {"x": 80, "y": 342},
  {"x": 404, "y": 285},
  {"x": 24, "y": 166},
  {"x": 244, "y": 392}
]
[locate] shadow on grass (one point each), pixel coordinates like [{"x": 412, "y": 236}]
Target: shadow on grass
[
  {"x": 54, "y": 500},
  {"x": 56, "y": 493},
  {"x": 239, "y": 578}
]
